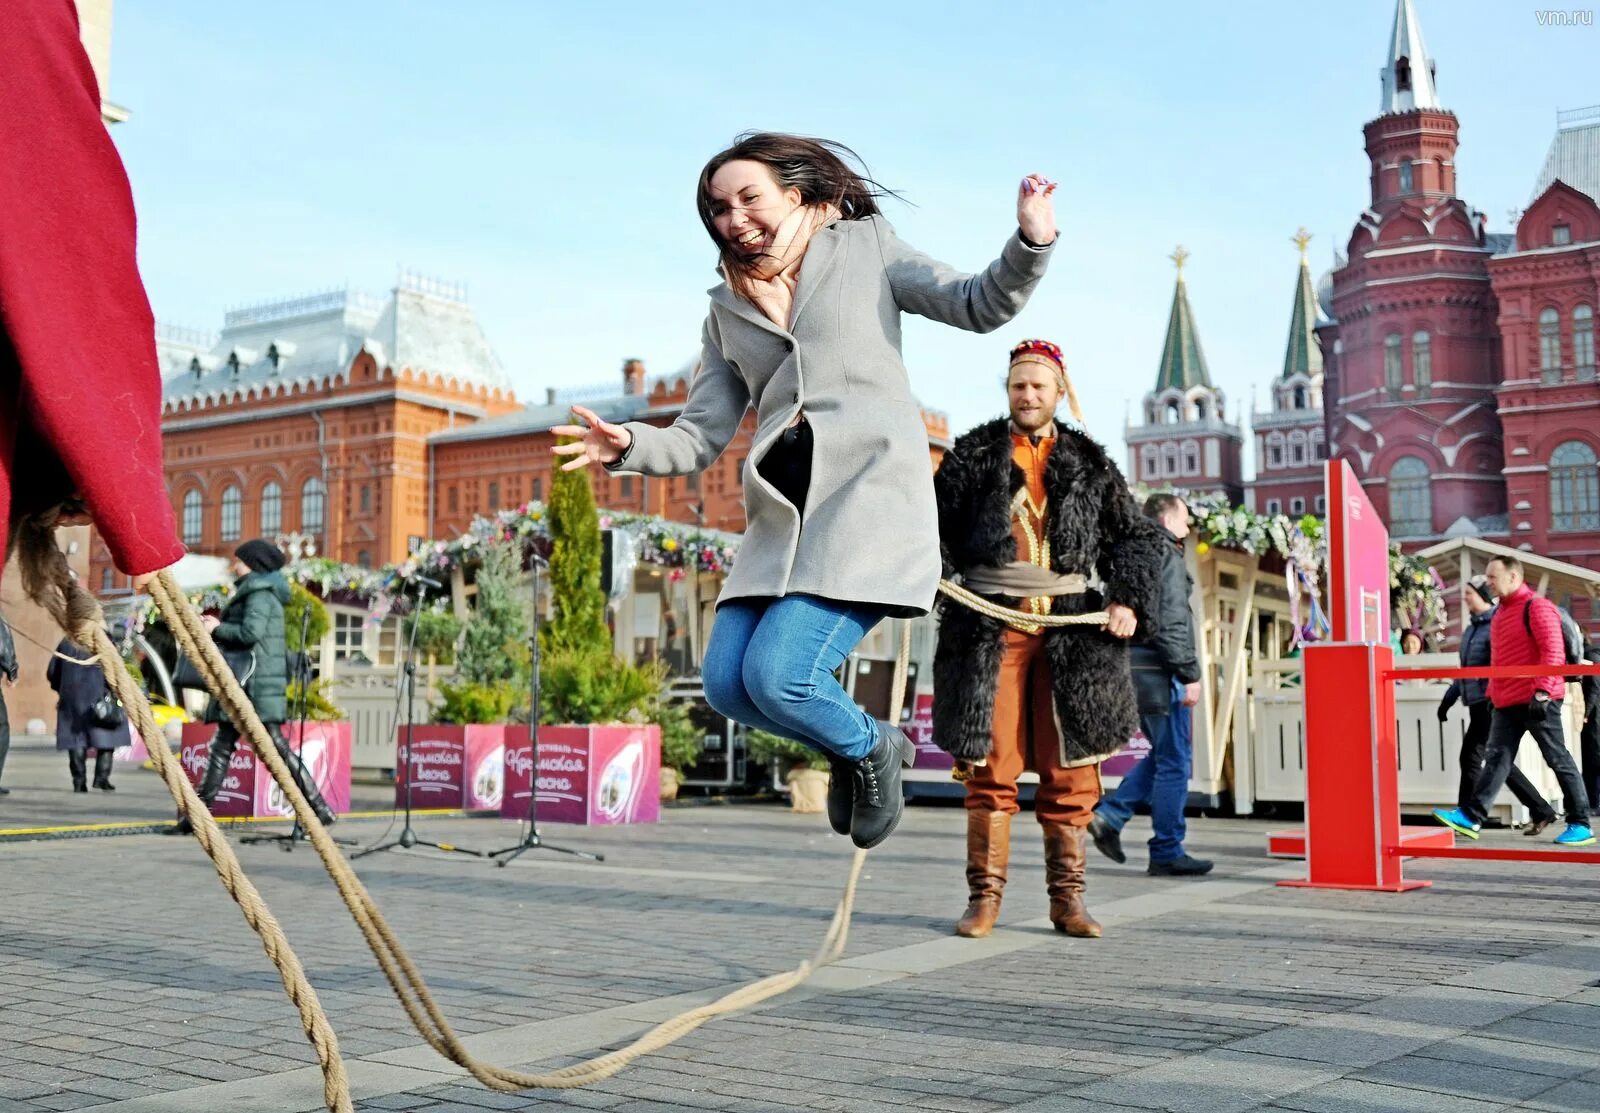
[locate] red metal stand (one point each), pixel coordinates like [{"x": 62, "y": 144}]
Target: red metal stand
[{"x": 1352, "y": 794}]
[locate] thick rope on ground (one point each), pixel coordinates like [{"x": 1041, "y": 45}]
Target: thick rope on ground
[{"x": 49, "y": 581}]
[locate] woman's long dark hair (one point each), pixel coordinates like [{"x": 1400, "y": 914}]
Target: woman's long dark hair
[{"x": 820, "y": 169}]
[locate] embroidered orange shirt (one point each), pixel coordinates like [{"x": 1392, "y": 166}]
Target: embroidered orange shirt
[{"x": 1029, "y": 508}]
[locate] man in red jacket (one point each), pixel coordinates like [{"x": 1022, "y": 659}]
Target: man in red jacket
[
  {"x": 80, "y": 386},
  {"x": 1526, "y": 630}
]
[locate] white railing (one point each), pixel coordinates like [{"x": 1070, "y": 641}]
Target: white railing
[
  {"x": 367, "y": 698},
  {"x": 1428, "y": 749}
]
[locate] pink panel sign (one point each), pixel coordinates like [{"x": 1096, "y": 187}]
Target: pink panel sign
[
  {"x": 485, "y": 767},
  {"x": 436, "y": 769},
  {"x": 1121, "y": 763},
  {"x": 249, "y": 791},
  {"x": 1358, "y": 558},
  {"x": 920, "y": 731},
  {"x": 587, "y": 774}
]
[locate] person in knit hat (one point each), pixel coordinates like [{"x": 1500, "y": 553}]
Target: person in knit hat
[
  {"x": 1031, "y": 510},
  {"x": 251, "y": 635}
]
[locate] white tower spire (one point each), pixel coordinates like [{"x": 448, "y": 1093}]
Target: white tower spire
[{"x": 1408, "y": 71}]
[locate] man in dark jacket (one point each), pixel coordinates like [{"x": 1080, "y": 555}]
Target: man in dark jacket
[
  {"x": 1166, "y": 680},
  {"x": 8, "y": 675},
  {"x": 1475, "y": 693},
  {"x": 1029, "y": 511},
  {"x": 252, "y": 636}
]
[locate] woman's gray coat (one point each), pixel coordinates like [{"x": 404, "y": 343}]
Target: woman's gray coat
[{"x": 871, "y": 532}]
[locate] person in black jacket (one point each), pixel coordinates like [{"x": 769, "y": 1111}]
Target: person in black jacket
[
  {"x": 1166, "y": 681},
  {"x": 80, "y": 689},
  {"x": 8, "y": 673},
  {"x": 1474, "y": 653}
]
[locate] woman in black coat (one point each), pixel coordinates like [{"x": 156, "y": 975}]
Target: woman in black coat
[{"x": 80, "y": 685}]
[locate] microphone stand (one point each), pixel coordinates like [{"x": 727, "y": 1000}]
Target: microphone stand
[
  {"x": 531, "y": 839},
  {"x": 408, "y": 837},
  {"x": 297, "y": 767}
]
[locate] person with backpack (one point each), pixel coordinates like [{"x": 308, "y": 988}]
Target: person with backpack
[
  {"x": 1526, "y": 630},
  {"x": 1474, "y": 652}
]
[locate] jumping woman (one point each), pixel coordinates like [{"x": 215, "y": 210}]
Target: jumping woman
[{"x": 838, "y": 487}]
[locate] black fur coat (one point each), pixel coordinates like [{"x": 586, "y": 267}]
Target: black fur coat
[{"x": 1094, "y": 527}]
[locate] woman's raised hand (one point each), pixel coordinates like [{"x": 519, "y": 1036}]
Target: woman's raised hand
[
  {"x": 1036, "y": 213},
  {"x": 601, "y": 442}
]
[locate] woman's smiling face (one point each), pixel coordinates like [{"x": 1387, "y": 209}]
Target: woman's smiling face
[{"x": 747, "y": 205}]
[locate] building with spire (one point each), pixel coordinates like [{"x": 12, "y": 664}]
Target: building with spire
[
  {"x": 1412, "y": 356},
  {"x": 1185, "y": 441},
  {"x": 1290, "y": 441}
]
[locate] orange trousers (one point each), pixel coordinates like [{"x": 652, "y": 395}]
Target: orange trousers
[{"x": 1025, "y": 737}]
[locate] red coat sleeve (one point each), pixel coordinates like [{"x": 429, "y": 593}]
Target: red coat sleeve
[{"x": 77, "y": 359}]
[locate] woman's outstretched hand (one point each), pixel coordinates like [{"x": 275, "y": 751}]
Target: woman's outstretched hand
[
  {"x": 601, "y": 442},
  {"x": 1036, "y": 213}
]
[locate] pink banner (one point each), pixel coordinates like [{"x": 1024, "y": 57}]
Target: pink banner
[
  {"x": 920, "y": 731},
  {"x": 587, "y": 774},
  {"x": 436, "y": 769},
  {"x": 249, "y": 791},
  {"x": 485, "y": 767},
  {"x": 1358, "y": 559},
  {"x": 1122, "y": 762}
]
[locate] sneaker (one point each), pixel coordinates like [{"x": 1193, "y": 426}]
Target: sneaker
[
  {"x": 1184, "y": 866},
  {"x": 1457, "y": 821},
  {"x": 1107, "y": 840},
  {"x": 1576, "y": 834}
]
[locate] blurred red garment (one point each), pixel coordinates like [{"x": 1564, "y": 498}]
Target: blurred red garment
[{"x": 80, "y": 386}]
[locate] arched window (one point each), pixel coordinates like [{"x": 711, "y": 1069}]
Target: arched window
[
  {"x": 1574, "y": 488},
  {"x": 366, "y": 498},
  {"x": 1393, "y": 378},
  {"x": 313, "y": 499},
  {"x": 1297, "y": 449},
  {"x": 1583, "y": 341},
  {"x": 1550, "y": 344},
  {"x": 1199, "y": 409},
  {"x": 1149, "y": 463},
  {"x": 193, "y": 517},
  {"x": 364, "y": 559},
  {"x": 1169, "y": 459},
  {"x": 1405, "y": 177},
  {"x": 231, "y": 502},
  {"x": 1174, "y": 413},
  {"x": 1191, "y": 458},
  {"x": 1410, "y": 498},
  {"x": 271, "y": 509},
  {"x": 1422, "y": 363},
  {"x": 1300, "y": 400},
  {"x": 1275, "y": 450}
]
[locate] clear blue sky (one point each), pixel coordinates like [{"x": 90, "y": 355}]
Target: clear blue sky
[{"x": 546, "y": 153}]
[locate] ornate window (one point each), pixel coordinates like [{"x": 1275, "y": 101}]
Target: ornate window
[
  {"x": 1275, "y": 450},
  {"x": 1393, "y": 376},
  {"x": 271, "y": 509},
  {"x": 193, "y": 517},
  {"x": 1550, "y": 344},
  {"x": 1191, "y": 458},
  {"x": 1422, "y": 363},
  {"x": 1405, "y": 177},
  {"x": 1574, "y": 488},
  {"x": 231, "y": 503},
  {"x": 313, "y": 501},
  {"x": 1274, "y": 506},
  {"x": 1410, "y": 498},
  {"x": 1297, "y": 506},
  {"x": 1149, "y": 463},
  {"x": 366, "y": 498},
  {"x": 494, "y": 494},
  {"x": 1169, "y": 459},
  {"x": 1583, "y": 341}
]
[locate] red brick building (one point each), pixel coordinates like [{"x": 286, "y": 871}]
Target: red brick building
[
  {"x": 361, "y": 425},
  {"x": 1185, "y": 440},
  {"x": 1459, "y": 365}
]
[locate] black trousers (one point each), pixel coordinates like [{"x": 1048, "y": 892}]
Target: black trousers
[
  {"x": 1589, "y": 751},
  {"x": 1472, "y": 750},
  {"x": 220, "y": 754},
  {"x": 1506, "y": 728}
]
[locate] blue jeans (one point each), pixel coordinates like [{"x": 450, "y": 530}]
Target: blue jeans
[
  {"x": 770, "y": 665},
  {"x": 1161, "y": 779}
]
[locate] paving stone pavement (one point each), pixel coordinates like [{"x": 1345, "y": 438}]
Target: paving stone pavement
[{"x": 130, "y": 984}]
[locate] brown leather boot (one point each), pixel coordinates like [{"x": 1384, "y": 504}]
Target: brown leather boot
[
  {"x": 988, "y": 854},
  {"x": 1064, "y": 848}
]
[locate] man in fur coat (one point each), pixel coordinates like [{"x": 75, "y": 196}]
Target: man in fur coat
[{"x": 1035, "y": 517}]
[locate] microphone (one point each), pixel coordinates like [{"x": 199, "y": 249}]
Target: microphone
[{"x": 421, "y": 579}]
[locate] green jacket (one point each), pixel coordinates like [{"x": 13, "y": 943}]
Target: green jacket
[{"x": 253, "y": 619}]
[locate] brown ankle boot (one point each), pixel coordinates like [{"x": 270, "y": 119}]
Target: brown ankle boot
[
  {"x": 1063, "y": 878},
  {"x": 988, "y": 854}
]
